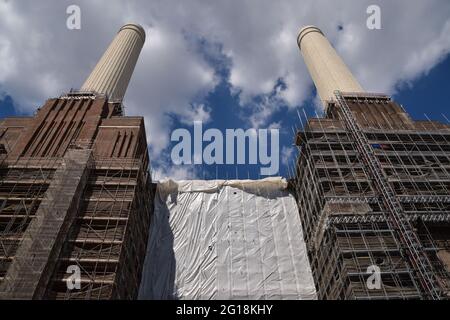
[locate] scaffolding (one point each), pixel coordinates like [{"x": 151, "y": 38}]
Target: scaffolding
[
  {"x": 364, "y": 189},
  {"x": 108, "y": 240},
  {"x": 105, "y": 235},
  {"x": 75, "y": 208},
  {"x": 22, "y": 189},
  {"x": 42, "y": 239}
]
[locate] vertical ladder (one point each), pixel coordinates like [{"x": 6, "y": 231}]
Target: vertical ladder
[{"x": 396, "y": 218}]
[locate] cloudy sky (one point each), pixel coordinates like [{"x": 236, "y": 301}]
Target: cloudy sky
[{"x": 230, "y": 64}]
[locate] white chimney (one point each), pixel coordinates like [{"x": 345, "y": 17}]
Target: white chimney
[
  {"x": 326, "y": 68},
  {"x": 112, "y": 73}
]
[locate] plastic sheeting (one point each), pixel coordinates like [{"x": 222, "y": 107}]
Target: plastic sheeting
[{"x": 234, "y": 239}]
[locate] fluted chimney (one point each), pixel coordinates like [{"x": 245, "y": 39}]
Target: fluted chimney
[
  {"x": 112, "y": 73},
  {"x": 326, "y": 68}
]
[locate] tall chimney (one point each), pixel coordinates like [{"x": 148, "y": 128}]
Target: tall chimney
[
  {"x": 326, "y": 68},
  {"x": 112, "y": 73}
]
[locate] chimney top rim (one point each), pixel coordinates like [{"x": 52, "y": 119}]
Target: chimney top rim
[
  {"x": 135, "y": 27},
  {"x": 304, "y": 31}
]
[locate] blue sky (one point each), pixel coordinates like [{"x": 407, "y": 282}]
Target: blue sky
[
  {"x": 429, "y": 95},
  {"x": 230, "y": 64}
]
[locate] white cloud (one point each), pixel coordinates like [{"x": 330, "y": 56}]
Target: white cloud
[
  {"x": 423, "y": 60},
  {"x": 195, "y": 112},
  {"x": 286, "y": 155},
  {"x": 168, "y": 80},
  {"x": 174, "y": 172},
  {"x": 275, "y": 125},
  {"x": 41, "y": 58},
  {"x": 261, "y": 111}
]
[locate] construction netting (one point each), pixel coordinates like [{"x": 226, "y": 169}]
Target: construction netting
[{"x": 226, "y": 239}]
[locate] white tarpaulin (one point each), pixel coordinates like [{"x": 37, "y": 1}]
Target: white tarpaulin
[{"x": 234, "y": 239}]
